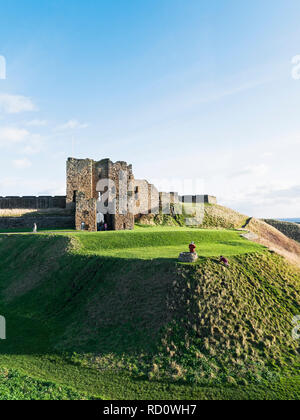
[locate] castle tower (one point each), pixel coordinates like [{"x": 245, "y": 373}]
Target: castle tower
[{"x": 100, "y": 191}]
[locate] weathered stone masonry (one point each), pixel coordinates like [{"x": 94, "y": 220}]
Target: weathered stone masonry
[
  {"x": 99, "y": 193},
  {"x": 207, "y": 199},
  {"x": 33, "y": 203},
  {"x": 42, "y": 221},
  {"x": 87, "y": 186}
]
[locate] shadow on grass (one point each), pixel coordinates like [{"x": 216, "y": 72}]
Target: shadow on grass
[{"x": 81, "y": 303}]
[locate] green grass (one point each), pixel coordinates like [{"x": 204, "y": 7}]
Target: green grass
[
  {"x": 96, "y": 315},
  {"x": 165, "y": 242},
  {"x": 17, "y": 386}
]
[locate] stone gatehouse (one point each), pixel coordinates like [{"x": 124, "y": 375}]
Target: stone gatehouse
[
  {"x": 106, "y": 193},
  {"x": 100, "y": 194}
]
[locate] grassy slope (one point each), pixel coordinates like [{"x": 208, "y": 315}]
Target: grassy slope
[
  {"x": 269, "y": 236},
  {"x": 164, "y": 242},
  {"x": 17, "y": 386},
  {"x": 291, "y": 230},
  {"x": 110, "y": 309},
  {"x": 214, "y": 216}
]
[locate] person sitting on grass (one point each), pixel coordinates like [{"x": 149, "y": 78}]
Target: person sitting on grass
[
  {"x": 192, "y": 247},
  {"x": 224, "y": 261}
]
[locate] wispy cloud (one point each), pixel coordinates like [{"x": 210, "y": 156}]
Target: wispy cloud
[
  {"x": 265, "y": 201},
  {"x": 33, "y": 145},
  {"x": 22, "y": 163},
  {"x": 12, "y": 135},
  {"x": 21, "y": 139},
  {"x": 72, "y": 125},
  {"x": 14, "y": 104},
  {"x": 37, "y": 123},
  {"x": 254, "y": 170}
]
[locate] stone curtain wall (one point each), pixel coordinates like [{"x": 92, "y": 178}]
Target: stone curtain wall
[
  {"x": 153, "y": 199},
  {"x": 146, "y": 198},
  {"x": 210, "y": 199},
  {"x": 43, "y": 222},
  {"x": 166, "y": 200},
  {"x": 141, "y": 196},
  {"x": 34, "y": 203},
  {"x": 207, "y": 199}
]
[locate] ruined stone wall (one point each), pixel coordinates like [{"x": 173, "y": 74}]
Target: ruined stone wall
[
  {"x": 146, "y": 198},
  {"x": 149, "y": 201},
  {"x": 34, "y": 203},
  {"x": 124, "y": 196},
  {"x": 121, "y": 174},
  {"x": 80, "y": 178},
  {"x": 208, "y": 199},
  {"x": 153, "y": 195},
  {"x": 167, "y": 200},
  {"x": 141, "y": 196},
  {"x": 84, "y": 185},
  {"x": 81, "y": 194},
  {"x": 43, "y": 222},
  {"x": 85, "y": 212}
]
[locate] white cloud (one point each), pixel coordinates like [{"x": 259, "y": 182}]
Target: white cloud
[
  {"x": 72, "y": 125},
  {"x": 37, "y": 123},
  {"x": 264, "y": 201},
  {"x": 22, "y": 140},
  {"x": 13, "y": 104},
  {"x": 22, "y": 163},
  {"x": 11, "y": 135},
  {"x": 33, "y": 145},
  {"x": 254, "y": 170}
]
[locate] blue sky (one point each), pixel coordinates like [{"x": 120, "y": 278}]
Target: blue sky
[{"x": 182, "y": 89}]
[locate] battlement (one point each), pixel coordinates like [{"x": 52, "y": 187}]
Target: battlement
[
  {"x": 32, "y": 203},
  {"x": 193, "y": 199},
  {"x": 104, "y": 195}
]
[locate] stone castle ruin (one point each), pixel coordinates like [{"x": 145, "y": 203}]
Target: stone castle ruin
[{"x": 99, "y": 194}]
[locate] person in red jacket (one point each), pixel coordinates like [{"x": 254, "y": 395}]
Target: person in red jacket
[{"x": 192, "y": 247}]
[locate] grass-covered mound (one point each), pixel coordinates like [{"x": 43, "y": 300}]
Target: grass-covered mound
[
  {"x": 164, "y": 242},
  {"x": 275, "y": 237},
  {"x": 232, "y": 324},
  {"x": 94, "y": 314}
]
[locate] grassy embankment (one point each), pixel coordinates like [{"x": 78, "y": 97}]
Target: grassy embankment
[{"x": 113, "y": 315}]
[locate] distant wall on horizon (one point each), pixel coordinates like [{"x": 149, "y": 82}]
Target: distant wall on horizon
[
  {"x": 34, "y": 203},
  {"x": 43, "y": 222},
  {"x": 207, "y": 199}
]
